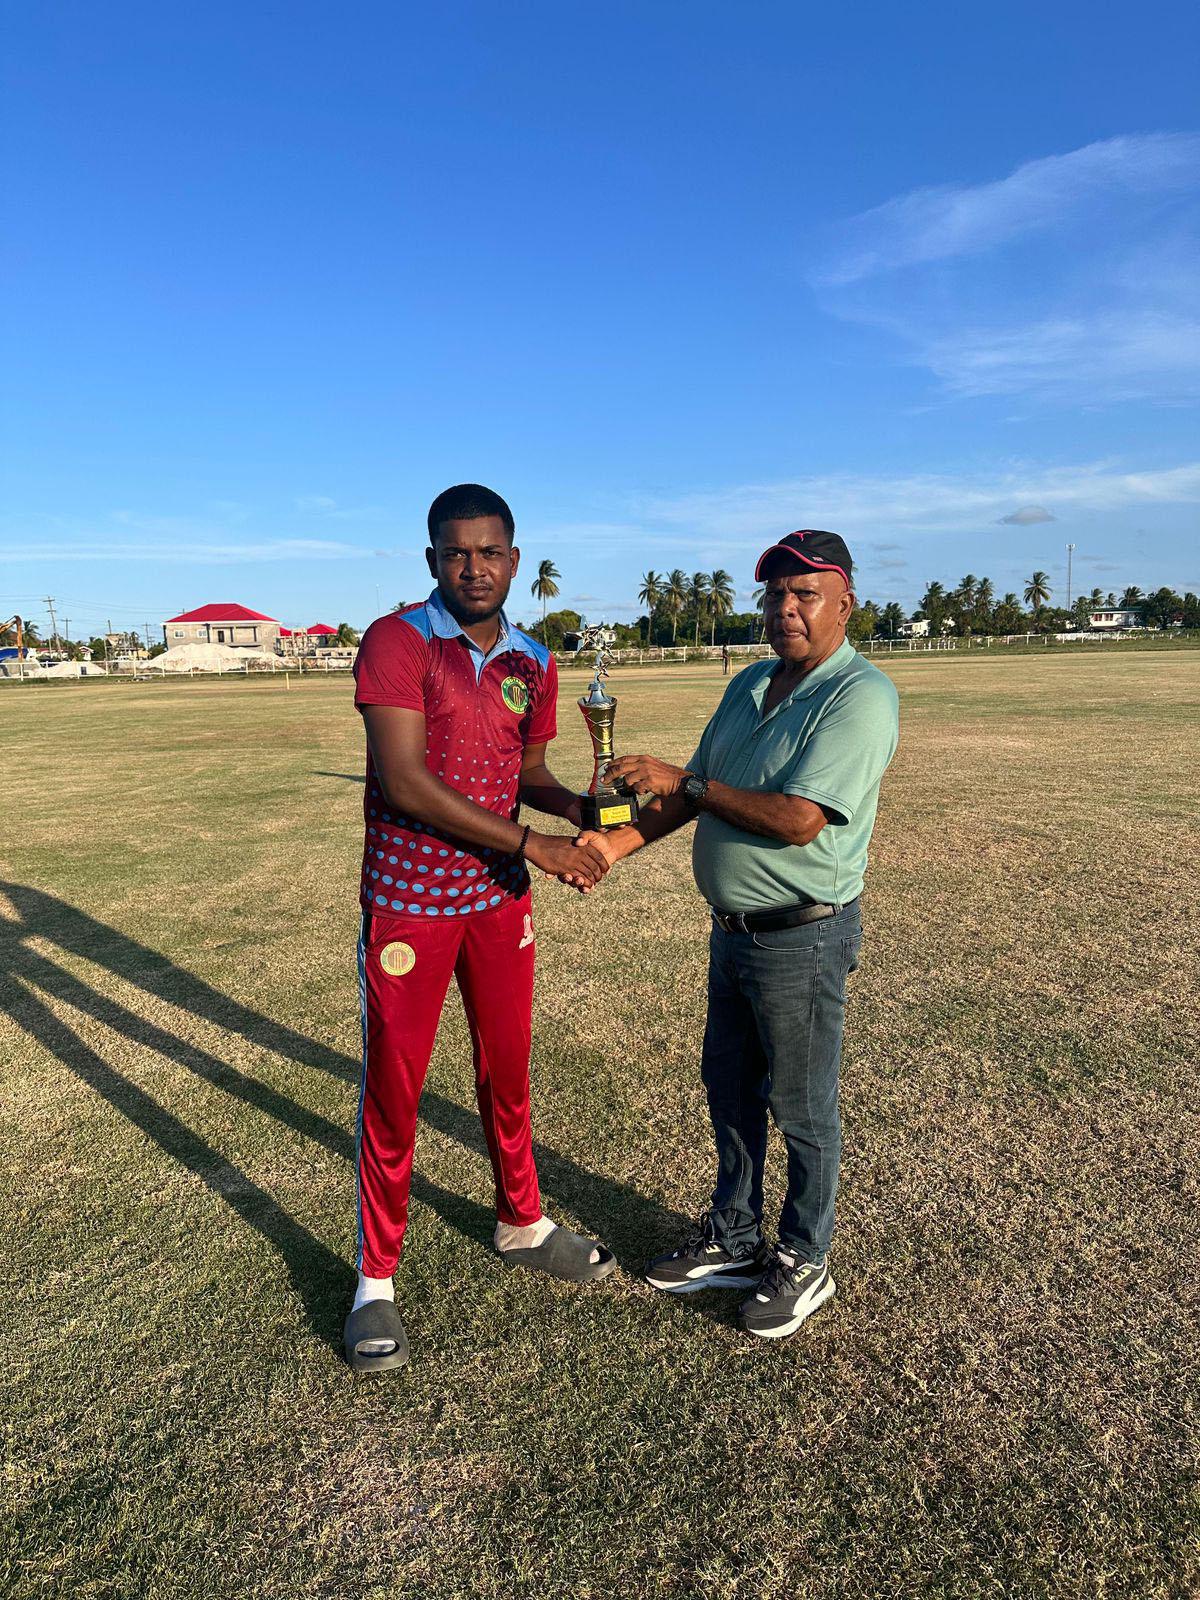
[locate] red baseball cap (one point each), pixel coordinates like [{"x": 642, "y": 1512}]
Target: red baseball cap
[{"x": 826, "y": 552}]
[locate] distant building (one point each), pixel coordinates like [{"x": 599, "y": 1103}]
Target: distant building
[
  {"x": 1114, "y": 618},
  {"x": 226, "y": 623},
  {"x": 125, "y": 646},
  {"x": 916, "y": 629},
  {"x": 307, "y": 641}
]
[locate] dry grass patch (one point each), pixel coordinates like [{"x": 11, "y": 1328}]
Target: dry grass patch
[{"x": 1002, "y": 1399}]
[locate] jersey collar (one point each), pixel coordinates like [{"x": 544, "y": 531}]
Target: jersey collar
[{"x": 444, "y": 626}]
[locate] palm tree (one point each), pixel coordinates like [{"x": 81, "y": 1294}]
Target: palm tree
[
  {"x": 891, "y": 618},
  {"x": 346, "y": 636},
  {"x": 544, "y": 588},
  {"x": 1132, "y": 598},
  {"x": 1037, "y": 592},
  {"x": 675, "y": 597},
  {"x": 649, "y": 595},
  {"x": 697, "y": 593},
  {"x": 933, "y": 604},
  {"x": 1095, "y": 600},
  {"x": 757, "y": 597},
  {"x": 720, "y": 598}
]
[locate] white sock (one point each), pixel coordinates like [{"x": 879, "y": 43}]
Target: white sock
[
  {"x": 508, "y": 1237},
  {"x": 373, "y": 1289}
]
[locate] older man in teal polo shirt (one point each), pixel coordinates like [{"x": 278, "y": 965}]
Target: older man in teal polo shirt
[{"x": 784, "y": 784}]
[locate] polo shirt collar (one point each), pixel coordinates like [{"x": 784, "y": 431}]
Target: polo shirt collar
[
  {"x": 837, "y": 662},
  {"x": 444, "y": 626}
]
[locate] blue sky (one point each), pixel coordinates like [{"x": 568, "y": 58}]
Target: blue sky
[{"x": 673, "y": 278}]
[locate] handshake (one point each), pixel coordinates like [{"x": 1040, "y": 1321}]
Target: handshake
[{"x": 581, "y": 862}]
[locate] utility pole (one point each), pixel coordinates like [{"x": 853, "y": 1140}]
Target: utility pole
[
  {"x": 53, "y": 623},
  {"x": 146, "y": 640},
  {"x": 1070, "y": 553}
]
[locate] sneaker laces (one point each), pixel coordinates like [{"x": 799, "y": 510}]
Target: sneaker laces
[
  {"x": 701, "y": 1234},
  {"x": 781, "y": 1274}
]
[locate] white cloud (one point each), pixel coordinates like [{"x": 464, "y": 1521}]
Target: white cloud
[
  {"x": 188, "y": 551},
  {"x": 1117, "y": 356},
  {"x": 935, "y": 224},
  {"x": 1074, "y": 279},
  {"x": 853, "y": 503},
  {"x": 321, "y": 505},
  {"x": 1027, "y": 516}
]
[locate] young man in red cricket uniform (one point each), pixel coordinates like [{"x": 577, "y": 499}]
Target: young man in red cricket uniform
[{"x": 459, "y": 707}]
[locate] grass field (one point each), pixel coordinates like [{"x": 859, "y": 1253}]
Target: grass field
[{"x": 1002, "y": 1400}]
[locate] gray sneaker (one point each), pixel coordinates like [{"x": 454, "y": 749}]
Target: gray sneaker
[{"x": 790, "y": 1291}]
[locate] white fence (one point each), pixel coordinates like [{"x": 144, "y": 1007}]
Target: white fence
[
  {"x": 664, "y": 652},
  {"x": 985, "y": 641}
]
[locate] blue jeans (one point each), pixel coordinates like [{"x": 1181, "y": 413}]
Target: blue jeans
[{"x": 773, "y": 1042}]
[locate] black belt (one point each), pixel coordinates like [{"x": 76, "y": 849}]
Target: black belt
[{"x": 771, "y": 921}]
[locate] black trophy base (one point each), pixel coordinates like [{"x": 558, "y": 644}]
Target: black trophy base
[{"x": 609, "y": 810}]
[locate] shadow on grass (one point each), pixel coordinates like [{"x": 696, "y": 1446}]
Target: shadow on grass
[
  {"x": 350, "y": 777},
  {"x": 630, "y": 1223}
]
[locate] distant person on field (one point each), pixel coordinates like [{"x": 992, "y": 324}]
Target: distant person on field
[
  {"x": 724, "y": 660},
  {"x": 459, "y": 707},
  {"x": 784, "y": 785}
]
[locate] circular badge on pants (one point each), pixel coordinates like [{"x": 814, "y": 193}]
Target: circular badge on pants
[{"x": 397, "y": 958}]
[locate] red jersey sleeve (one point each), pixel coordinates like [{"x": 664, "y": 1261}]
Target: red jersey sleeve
[
  {"x": 543, "y": 721},
  {"x": 389, "y": 669}
]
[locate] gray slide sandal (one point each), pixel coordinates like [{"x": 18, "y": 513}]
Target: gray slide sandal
[
  {"x": 565, "y": 1255},
  {"x": 378, "y": 1319}
]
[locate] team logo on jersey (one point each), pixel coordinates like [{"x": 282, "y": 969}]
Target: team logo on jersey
[
  {"x": 397, "y": 959},
  {"x": 516, "y": 695}
]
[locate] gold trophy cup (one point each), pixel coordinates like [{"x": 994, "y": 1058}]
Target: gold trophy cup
[{"x": 605, "y": 805}]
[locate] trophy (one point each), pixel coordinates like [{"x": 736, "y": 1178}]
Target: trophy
[{"x": 605, "y": 805}]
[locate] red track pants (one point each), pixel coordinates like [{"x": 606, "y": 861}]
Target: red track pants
[{"x": 404, "y": 969}]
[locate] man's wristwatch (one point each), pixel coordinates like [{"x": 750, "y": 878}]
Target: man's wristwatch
[{"x": 693, "y": 789}]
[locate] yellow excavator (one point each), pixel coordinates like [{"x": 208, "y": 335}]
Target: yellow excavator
[{"x": 15, "y": 626}]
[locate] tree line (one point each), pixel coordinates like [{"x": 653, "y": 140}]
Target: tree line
[
  {"x": 974, "y": 608},
  {"x": 698, "y": 608}
]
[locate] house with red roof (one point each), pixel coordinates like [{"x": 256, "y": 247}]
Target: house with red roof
[
  {"x": 224, "y": 622},
  {"x": 308, "y": 641}
]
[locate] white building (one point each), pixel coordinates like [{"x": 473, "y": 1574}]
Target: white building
[
  {"x": 1114, "y": 618},
  {"x": 918, "y": 629}
]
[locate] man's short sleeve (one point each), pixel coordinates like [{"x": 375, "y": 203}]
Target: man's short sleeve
[
  {"x": 842, "y": 761},
  {"x": 543, "y": 720},
  {"x": 389, "y": 669}
]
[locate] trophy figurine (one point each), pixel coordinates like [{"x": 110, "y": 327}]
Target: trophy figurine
[{"x": 605, "y": 805}]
